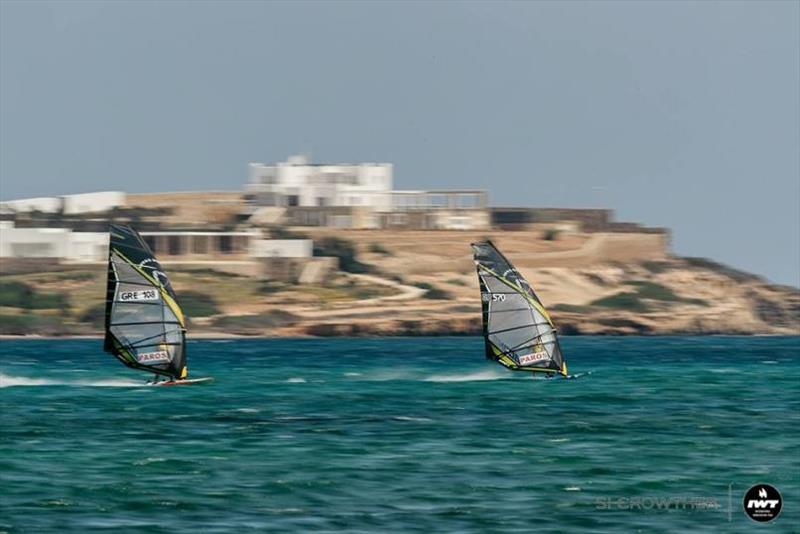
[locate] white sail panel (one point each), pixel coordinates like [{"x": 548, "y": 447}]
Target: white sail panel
[
  {"x": 144, "y": 325},
  {"x": 517, "y": 329}
]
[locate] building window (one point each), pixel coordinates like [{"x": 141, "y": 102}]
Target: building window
[
  {"x": 238, "y": 244},
  {"x": 200, "y": 244},
  {"x": 293, "y": 200},
  {"x": 174, "y": 245},
  {"x": 225, "y": 244},
  {"x": 398, "y": 219}
]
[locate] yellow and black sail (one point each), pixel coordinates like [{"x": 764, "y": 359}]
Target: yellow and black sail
[
  {"x": 517, "y": 329},
  {"x": 145, "y": 327}
]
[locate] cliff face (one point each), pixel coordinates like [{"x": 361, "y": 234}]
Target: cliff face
[
  {"x": 670, "y": 297},
  {"x": 597, "y": 283},
  {"x": 424, "y": 283}
]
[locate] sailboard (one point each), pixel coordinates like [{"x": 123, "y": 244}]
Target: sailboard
[
  {"x": 145, "y": 327},
  {"x": 518, "y": 332}
]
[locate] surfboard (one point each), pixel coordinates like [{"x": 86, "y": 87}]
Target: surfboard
[{"x": 184, "y": 382}]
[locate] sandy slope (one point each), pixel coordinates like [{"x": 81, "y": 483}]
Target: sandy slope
[{"x": 425, "y": 283}]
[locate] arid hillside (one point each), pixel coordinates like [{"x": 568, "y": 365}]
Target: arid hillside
[{"x": 424, "y": 283}]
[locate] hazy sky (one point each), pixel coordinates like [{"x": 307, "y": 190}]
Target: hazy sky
[{"x": 678, "y": 114}]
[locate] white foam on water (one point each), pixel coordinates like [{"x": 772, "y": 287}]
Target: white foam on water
[
  {"x": 150, "y": 460},
  {"x": 410, "y": 418},
  {"x": 353, "y": 374},
  {"x": 572, "y": 488},
  {"x": 111, "y": 383},
  {"x": 769, "y": 361},
  {"x": 296, "y": 380},
  {"x": 470, "y": 377},
  {"x": 247, "y": 410},
  {"x": 12, "y": 381},
  {"x": 7, "y": 381},
  {"x": 58, "y": 502},
  {"x": 386, "y": 375}
]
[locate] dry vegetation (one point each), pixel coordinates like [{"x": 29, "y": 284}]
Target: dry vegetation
[{"x": 423, "y": 283}]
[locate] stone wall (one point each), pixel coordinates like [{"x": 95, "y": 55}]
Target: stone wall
[{"x": 589, "y": 219}]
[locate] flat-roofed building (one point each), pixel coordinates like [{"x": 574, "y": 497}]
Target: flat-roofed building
[
  {"x": 439, "y": 199},
  {"x": 358, "y": 196},
  {"x": 437, "y": 210},
  {"x": 198, "y": 244},
  {"x": 27, "y": 205},
  {"x": 170, "y": 246},
  {"x": 54, "y": 243},
  {"x": 97, "y": 202},
  {"x": 298, "y": 183}
]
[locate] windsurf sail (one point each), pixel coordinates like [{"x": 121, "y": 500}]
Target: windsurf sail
[
  {"x": 517, "y": 329},
  {"x": 145, "y": 327}
]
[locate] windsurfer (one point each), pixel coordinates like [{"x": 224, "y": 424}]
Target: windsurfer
[{"x": 513, "y": 316}]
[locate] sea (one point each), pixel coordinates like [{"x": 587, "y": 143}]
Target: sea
[{"x": 655, "y": 434}]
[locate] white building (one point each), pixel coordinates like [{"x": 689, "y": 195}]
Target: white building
[
  {"x": 93, "y": 202},
  {"x": 26, "y": 205},
  {"x": 59, "y": 243},
  {"x": 64, "y": 244},
  {"x": 440, "y": 199},
  {"x": 281, "y": 248},
  {"x": 296, "y": 182},
  {"x": 300, "y": 193},
  {"x": 68, "y": 204}
]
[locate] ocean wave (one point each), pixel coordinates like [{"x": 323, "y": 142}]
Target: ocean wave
[
  {"x": 150, "y": 460},
  {"x": 296, "y": 380},
  {"x": 411, "y": 418}
]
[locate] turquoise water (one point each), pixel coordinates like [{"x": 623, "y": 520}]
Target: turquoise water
[{"x": 391, "y": 435}]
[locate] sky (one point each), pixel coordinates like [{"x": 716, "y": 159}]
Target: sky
[{"x": 676, "y": 114}]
